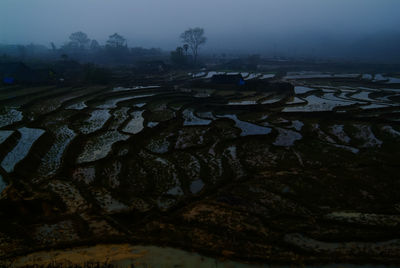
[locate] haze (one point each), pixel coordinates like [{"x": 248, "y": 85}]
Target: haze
[{"x": 287, "y": 27}]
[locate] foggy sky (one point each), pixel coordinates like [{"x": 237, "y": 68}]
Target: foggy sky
[{"x": 229, "y": 24}]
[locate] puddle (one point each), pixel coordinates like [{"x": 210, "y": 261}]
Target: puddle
[
  {"x": 270, "y": 101},
  {"x": 206, "y": 115},
  {"x": 317, "y": 104},
  {"x": 4, "y": 135},
  {"x": 21, "y": 150},
  {"x": 192, "y": 120},
  {"x": 139, "y": 105},
  {"x": 391, "y": 131},
  {"x": 297, "y": 125},
  {"x": 108, "y": 203},
  {"x": 95, "y": 122},
  {"x": 248, "y": 128},
  {"x": 77, "y": 106},
  {"x": 346, "y": 75},
  {"x": 287, "y": 137},
  {"x": 165, "y": 203},
  {"x": 322, "y": 135},
  {"x": 327, "y": 90},
  {"x": 252, "y": 76},
  {"x": 100, "y": 146},
  {"x": 307, "y": 75},
  {"x": 152, "y": 124},
  {"x": 280, "y": 120},
  {"x": 342, "y": 98},
  {"x": 387, "y": 98},
  {"x": 379, "y": 77},
  {"x": 198, "y": 74},
  {"x": 363, "y": 95},
  {"x": 267, "y": 76},
  {"x": 296, "y": 100},
  {"x": 112, "y": 103},
  {"x": 10, "y": 117},
  {"x": 387, "y": 80},
  {"x": 119, "y": 89},
  {"x": 135, "y": 125},
  {"x": 391, "y": 90},
  {"x": 211, "y": 74},
  {"x": 365, "y": 133},
  {"x": 196, "y": 186},
  {"x": 374, "y": 106},
  {"x": 246, "y": 102},
  {"x": 393, "y": 80},
  {"x": 175, "y": 191},
  {"x": 338, "y": 131},
  {"x": 52, "y": 160},
  {"x": 302, "y": 90},
  {"x": 367, "y": 77},
  {"x": 348, "y": 148},
  {"x": 263, "y": 118}
]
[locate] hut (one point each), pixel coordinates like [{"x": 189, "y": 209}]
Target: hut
[
  {"x": 18, "y": 72},
  {"x": 12, "y": 72},
  {"x": 227, "y": 80}
]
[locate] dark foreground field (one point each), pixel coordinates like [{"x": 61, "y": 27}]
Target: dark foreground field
[{"x": 305, "y": 177}]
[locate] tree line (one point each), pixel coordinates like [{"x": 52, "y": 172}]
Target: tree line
[
  {"x": 115, "y": 50},
  {"x": 81, "y": 47},
  {"x": 192, "y": 40}
]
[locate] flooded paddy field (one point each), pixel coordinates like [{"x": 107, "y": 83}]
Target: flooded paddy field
[{"x": 307, "y": 176}]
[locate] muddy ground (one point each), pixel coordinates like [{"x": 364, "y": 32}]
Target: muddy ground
[{"x": 253, "y": 176}]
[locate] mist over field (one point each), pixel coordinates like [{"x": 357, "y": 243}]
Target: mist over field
[
  {"x": 360, "y": 29},
  {"x": 208, "y": 133}
]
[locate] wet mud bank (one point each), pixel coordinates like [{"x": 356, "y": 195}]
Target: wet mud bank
[{"x": 308, "y": 176}]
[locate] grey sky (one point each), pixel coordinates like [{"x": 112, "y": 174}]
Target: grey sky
[{"x": 157, "y": 23}]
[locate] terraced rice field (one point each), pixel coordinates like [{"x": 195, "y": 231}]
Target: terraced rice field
[{"x": 307, "y": 177}]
